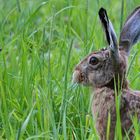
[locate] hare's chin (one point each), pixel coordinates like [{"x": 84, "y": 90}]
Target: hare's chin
[{"x": 85, "y": 83}]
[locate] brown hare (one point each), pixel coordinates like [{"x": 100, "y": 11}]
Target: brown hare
[{"x": 105, "y": 71}]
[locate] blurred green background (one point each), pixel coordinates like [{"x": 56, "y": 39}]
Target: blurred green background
[{"x": 41, "y": 43}]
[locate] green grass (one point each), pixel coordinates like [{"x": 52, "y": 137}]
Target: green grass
[{"x": 41, "y": 43}]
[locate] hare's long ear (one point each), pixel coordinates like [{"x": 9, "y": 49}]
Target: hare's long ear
[
  {"x": 131, "y": 31},
  {"x": 110, "y": 34}
]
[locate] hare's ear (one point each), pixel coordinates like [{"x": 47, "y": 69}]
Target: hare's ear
[
  {"x": 110, "y": 34},
  {"x": 131, "y": 31}
]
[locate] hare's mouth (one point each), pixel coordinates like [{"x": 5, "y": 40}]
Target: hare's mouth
[{"x": 80, "y": 78}]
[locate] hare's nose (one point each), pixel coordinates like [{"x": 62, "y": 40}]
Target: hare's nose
[
  {"x": 75, "y": 76},
  {"x": 78, "y": 77}
]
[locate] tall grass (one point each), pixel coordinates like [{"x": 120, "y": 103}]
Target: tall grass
[{"x": 41, "y": 43}]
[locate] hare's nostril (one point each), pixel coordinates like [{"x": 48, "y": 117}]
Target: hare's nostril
[
  {"x": 81, "y": 77},
  {"x": 77, "y": 69}
]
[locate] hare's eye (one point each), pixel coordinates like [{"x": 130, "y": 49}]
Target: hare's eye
[{"x": 93, "y": 60}]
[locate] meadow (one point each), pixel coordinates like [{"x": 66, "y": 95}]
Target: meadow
[{"x": 41, "y": 42}]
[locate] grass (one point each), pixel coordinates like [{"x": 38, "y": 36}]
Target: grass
[{"x": 41, "y": 43}]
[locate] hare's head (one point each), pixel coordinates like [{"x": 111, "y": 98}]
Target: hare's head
[{"x": 101, "y": 67}]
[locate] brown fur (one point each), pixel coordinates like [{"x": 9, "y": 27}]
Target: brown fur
[
  {"x": 104, "y": 94},
  {"x": 109, "y": 76},
  {"x": 104, "y": 103}
]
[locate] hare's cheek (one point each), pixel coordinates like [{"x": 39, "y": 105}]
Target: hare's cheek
[{"x": 95, "y": 78}]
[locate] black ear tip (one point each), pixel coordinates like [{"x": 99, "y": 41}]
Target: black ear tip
[
  {"x": 102, "y": 11},
  {"x": 102, "y": 8}
]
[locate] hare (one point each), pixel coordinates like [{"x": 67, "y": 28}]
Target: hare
[{"x": 105, "y": 72}]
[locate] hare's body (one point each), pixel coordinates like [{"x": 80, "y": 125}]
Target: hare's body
[
  {"x": 104, "y": 104},
  {"x": 105, "y": 71}
]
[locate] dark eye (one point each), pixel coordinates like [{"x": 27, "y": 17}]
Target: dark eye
[{"x": 93, "y": 60}]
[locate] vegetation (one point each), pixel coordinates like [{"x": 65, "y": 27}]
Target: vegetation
[{"x": 41, "y": 42}]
